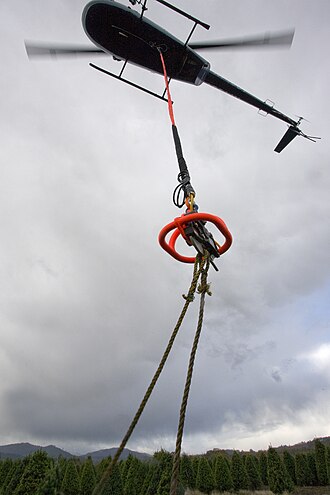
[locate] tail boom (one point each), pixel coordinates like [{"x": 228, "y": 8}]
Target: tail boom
[{"x": 224, "y": 85}]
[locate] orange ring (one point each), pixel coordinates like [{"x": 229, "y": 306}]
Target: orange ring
[{"x": 178, "y": 227}]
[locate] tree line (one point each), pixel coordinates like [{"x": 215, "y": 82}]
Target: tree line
[{"x": 38, "y": 474}]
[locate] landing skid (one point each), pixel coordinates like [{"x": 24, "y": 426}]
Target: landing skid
[{"x": 120, "y": 78}]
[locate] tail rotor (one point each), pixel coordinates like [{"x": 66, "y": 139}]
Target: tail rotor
[{"x": 291, "y": 133}]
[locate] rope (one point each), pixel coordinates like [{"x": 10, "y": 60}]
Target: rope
[
  {"x": 204, "y": 288},
  {"x": 198, "y": 270}
]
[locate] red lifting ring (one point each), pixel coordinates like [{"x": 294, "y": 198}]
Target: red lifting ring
[{"x": 178, "y": 226}]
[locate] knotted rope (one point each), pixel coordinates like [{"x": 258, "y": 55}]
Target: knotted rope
[
  {"x": 198, "y": 271},
  {"x": 203, "y": 289}
]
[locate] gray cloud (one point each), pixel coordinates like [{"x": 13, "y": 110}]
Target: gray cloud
[{"x": 88, "y": 299}]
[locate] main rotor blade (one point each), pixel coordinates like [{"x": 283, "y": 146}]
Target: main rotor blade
[
  {"x": 266, "y": 40},
  {"x": 36, "y": 50}
]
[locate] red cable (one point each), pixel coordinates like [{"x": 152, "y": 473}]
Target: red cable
[{"x": 170, "y": 106}]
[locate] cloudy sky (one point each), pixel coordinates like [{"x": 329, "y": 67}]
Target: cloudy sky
[{"x": 88, "y": 299}]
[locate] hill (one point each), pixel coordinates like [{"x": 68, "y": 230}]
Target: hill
[
  {"x": 98, "y": 455},
  {"x": 21, "y": 450},
  {"x": 301, "y": 447}
]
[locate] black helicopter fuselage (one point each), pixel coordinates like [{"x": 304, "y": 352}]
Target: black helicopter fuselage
[
  {"x": 131, "y": 37},
  {"x": 127, "y": 35}
]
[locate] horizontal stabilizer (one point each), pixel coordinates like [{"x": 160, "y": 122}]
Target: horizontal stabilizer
[{"x": 290, "y": 134}]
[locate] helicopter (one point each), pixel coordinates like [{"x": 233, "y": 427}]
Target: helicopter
[{"x": 129, "y": 36}]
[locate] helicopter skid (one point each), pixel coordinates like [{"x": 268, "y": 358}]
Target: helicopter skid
[{"x": 108, "y": 73}]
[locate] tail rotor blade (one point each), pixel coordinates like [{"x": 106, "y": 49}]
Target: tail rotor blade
[
  {"x": 290, "y": 134},
  {"x": 283, "y": 39}
]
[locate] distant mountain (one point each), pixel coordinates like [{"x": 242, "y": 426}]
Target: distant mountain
[
  {"x": 98, "y": 455},
  {"x": 20, "y": 450},
  {"x": 293, "y": 449},
  {"x": 303, "y": 446}
]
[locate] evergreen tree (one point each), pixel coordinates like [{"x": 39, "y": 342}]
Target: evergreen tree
[
  {"x": 9, "y": 474},
  {"x": 52, "y": 483},
  {"x": 186, "y": 472},
  {"x": 1, "y": 465},
  {"x": 312, "y": 468},
  {"x": 78, "y": 464},
  {"x": 238, "y": 473},
  {"x": 154, "y": 479},
  {"x": 257, "y": 464},
  {"x": 61, "y": 468},
  {"x": 124, "y": 468},
  {"x": 263, "y": 467},
  {"x": 212, "y": 461},
  {"x": 166, "y": 466},
  {"x": 147, "y": 477},
  {"x": 34, "y": 473},
  {"x": 88, "y": 477},
  {"x": 6, "y": 466},
  {"x": 321, "y": 466},
  {"x": 204, "y": 478},
  {"x": 279, "y": 480},
  {"x": 303, "y": 475},
  {"x": 256, "y": 460},
  {"x": 101, "y": 467},
  {"x": 70, "y": 483},
  {"x": 253, "y": 475},
  {"x": 164, "y": 482},
  {"x": 164, "y": 458},
  {"x": 164, "y": 485},
  {"x": 195, "y": 462},
  {"x": 162, "y": 463},
  {"x": 327, "y": 458},
  {"x": 222, "y": 477},
  {"x": 15, "y": 477},
  {"x": 144, "y": 469},
  {"x": 112, "y": 485},
  {"x": 134, "y": 479},
  {"x": 289, "y": 485},
  {"x": 289, "y": 463}
]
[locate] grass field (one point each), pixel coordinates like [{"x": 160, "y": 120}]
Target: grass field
[{"x": 305, "y": 490}]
